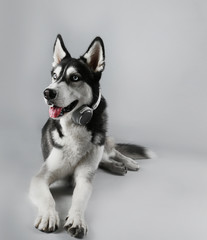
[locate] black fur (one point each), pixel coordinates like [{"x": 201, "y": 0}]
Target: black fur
[
  {"x": 98, "y": 124},
  {"x": 100, "y": 41},
  {"x": 131, "y": 150},
  {"x": 62, "y": 44},
  {"x": 97, "y": 39},
  {"x": 47, "y": 141},
  {"x": 86, "y": 74}
]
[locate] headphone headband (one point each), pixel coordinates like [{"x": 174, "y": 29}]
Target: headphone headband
[{"x": 95, "y": 105}]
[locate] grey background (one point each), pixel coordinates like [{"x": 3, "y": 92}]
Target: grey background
[{"x": 155, "y": 84}]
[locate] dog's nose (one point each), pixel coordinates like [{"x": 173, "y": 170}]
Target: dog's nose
[{"x": 50, "y": 93}]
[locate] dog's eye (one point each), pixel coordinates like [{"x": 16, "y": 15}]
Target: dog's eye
[
  {"x": 75, "y": 78},
  {"x": 54, "y": 76}
]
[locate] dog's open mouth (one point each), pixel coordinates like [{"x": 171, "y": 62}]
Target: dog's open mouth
[{"x": 55, "y": 112}]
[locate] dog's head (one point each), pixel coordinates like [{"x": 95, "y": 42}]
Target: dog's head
[{"x": 75, "y": 82}]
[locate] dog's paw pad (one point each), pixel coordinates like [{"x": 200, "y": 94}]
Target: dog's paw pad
[
  {"x": 76, "y": 227},
  {"x": 119, "y": 168},
  {"x": 77, "y": 232}
]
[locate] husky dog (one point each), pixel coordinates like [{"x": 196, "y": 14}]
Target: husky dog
[{"x": 74, "y": 141}]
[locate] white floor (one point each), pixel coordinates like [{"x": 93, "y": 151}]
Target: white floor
[{"x": 165, "y": 199}]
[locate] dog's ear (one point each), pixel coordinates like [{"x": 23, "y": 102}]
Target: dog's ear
[
  {"x": 95, "y": 55},
  {"x": 59, "y": 50}
]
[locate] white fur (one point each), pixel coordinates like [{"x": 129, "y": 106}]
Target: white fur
[
  {"x": 67, "y": 94},
  {"x": 57, "y": 139},
  {"x": 128, "y": 162},
  {"x": 150, "y": 154},
  {"x": 97, "y": 138},
  {"x": 95, "y": 49},
  {"x": 79, "y": 156},
  {"x": 70, "y": 71},
  {"x": 54, "y": 160},
  {"x": 59, "y": 53},
  {"x": 57, "y": 70},
  {"x": 42, "y": 198},
  {"x": 83, "y": 188}
]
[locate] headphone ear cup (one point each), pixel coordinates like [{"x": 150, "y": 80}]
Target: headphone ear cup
[{"x": 82, "y": 115}]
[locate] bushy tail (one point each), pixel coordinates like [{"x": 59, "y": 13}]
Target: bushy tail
[{"x": 134, "y": 151}]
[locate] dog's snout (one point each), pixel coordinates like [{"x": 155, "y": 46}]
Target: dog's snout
[{"x": 50, "y": 94}]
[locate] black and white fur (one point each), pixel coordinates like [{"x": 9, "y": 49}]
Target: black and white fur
[{"x": 70, "y": 149}]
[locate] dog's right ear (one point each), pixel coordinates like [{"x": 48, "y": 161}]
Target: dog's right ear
[
  {"x": 59, "y": 50},
  {"x": 95, "y": 55}
]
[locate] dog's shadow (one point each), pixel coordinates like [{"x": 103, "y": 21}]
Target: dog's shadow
[{"x": 62, "y": 193}]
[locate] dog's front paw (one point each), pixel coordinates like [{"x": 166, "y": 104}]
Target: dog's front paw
[
  {"x": 76, "y": 226},
  {"x": 47, "y": 221}
]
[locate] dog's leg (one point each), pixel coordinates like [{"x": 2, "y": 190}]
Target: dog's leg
[
  {"x": 111, "y": 154},
  {"x": 75, "y": 221},
  {"x": 113, "y": 166},
  {"x": 128, "y": 162},
  {"x": 122, "y": 162},
  {"x": 47, "y": 219},
  {"x": 83, "y": 176}
]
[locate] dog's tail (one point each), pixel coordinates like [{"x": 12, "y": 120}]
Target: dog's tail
[{"x": 134, "y": 151}]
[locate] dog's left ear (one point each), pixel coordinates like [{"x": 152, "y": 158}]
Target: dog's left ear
[
  {"x": 59, "y": 50},
  {"x": 95, "y": 55}
]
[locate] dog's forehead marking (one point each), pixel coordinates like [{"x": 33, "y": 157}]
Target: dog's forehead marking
[
  {"x": 70, "y": 71},
  {"x": 58, "y": 70}
]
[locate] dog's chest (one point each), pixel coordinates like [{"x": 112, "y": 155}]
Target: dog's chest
[{"x": 75, "y": 142}]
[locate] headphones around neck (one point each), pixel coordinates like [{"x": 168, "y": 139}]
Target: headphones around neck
[{"x": 83, "y": 114}]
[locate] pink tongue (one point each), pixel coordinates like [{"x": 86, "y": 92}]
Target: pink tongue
[{"x": 54, "y": 112}]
